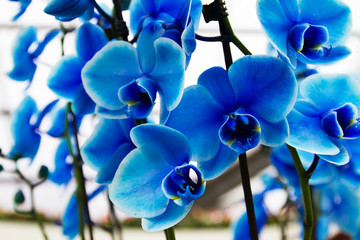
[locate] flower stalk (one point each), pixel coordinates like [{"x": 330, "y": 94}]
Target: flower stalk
[
  {"x": 170, "y": 234},
  {"x": 306, "y": 193},
  {"x": 79, "y": 175}
]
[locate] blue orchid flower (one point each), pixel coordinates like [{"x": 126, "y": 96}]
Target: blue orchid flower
[
  {"x": 155, "y": 181},
  {"x": 123, "y": 81},
  {"x": 107, "y": 147},
  {"x": 62, "y": 173},
  {"x": 23, "y": 6},
  {"x": 327, "y": 114},
  {"x": 70, "y": 218},
  {"x": 25, "y": 122},
  {"x": 307, "y": 31},
  {"x": 24, "y": 65},
  {"x": 67, "y": 10},
  {"x": 175, "y": 20},
  {"x": 65, "y": 78},
  {"x": 228, "y": 113}
]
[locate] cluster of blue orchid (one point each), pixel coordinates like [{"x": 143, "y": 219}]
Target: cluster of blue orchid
[{"x": 156, "y": 166}]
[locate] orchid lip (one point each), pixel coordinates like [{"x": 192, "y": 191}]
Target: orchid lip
[{"x": 184, "y": 184}]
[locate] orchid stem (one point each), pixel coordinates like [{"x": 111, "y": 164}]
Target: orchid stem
[
  {"x": 79, "y": 175},
  {"x": 245, "y": 178},
  {"x": 170, "y": 233},
  {"x": 305, "y": 189},
  {"x": 33, "y": 211}
]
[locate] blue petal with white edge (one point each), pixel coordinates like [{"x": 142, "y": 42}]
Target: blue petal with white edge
[
  {"x": 65, "y": 77},
  {"x": 217, "y": 165},
  {"x": 306, "y": 134},
  {"x": 108, "y": 136},
  {"x": 173, "y": 214},
  {"x": 136, "y": 188},
  {"x": 321, "y": 89},
  {"x": 275, "y": 23},
  {"x": 90, "y": 39},
  {"x": 334, "y": 15},
  {"x": 169, "y": 72},
  {"x": 172, "y": 144},
  {"x": 112, "y": 67},
  {"x": 340, "y": 158},
  {"x": 264, "y": 85},
  {"x": 199, "y": 117},
  {"x": 216, "y": 81}
]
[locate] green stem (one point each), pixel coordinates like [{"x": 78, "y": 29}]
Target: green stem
[
  {"x": 170, "y": 234},
  {"x": 305, "y": 189},
  {"x": 36, "y": 215},
  {"x": 77, "y": 174},
  {"x": 33, "y": 211}
]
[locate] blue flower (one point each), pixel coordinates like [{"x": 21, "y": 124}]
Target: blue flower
[
  {"x": 26, "y": 139},
  {"x": 23, "y": 6},
  {"x": 107, "y": 147},
  {"x": 65, "y": 78},
  {"x": 124, "y": 80},
  {"x": 25, "y": 122},
  {"x": 70, "y": 218},
  {"x": 326, "y": 114},
  {"x": 155, "y": 181},
  {"x": 24, "y": 65},
  {"x": 228, "y": 113},
  {"x": 67, "y": 10},
  {"x": 62, "y": 172},
  {"x": 177, "y": 20},
  {"x": 309, "y": 31}
]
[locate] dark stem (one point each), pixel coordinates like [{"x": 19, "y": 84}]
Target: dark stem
[
  {"x": 113, "y": 220},
  {"x": 139, "y": 121},
  {"x": 170, "y": 234},
  {"x": 245, "y": 178},
  {"x": 305, "y": 189},
  {"x": 209, "y": 39},
  {"x": 102, "y": 12},
  {"x": 309, "y": 172},
  {"x": 119, "y": 26},
  {"x": 313, "y": 200}
]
